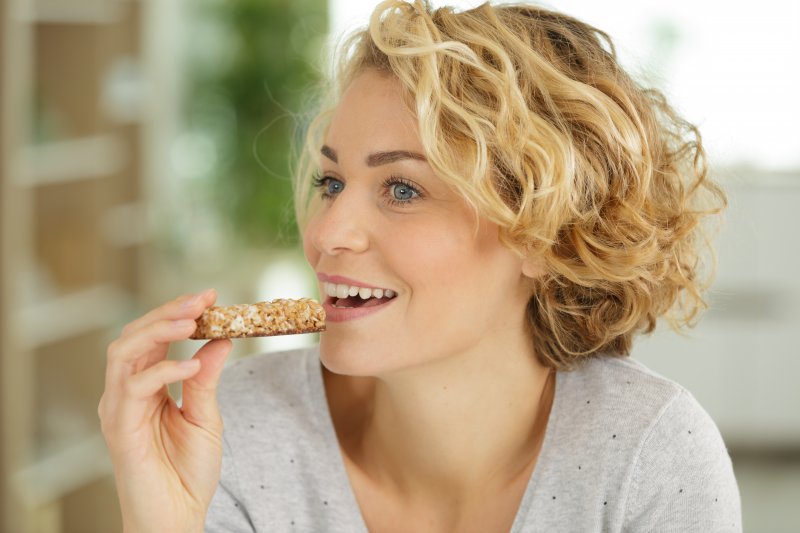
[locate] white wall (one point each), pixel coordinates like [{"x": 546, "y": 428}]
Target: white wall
[
  {"x": 729, "y": 65},
  {"x": 742, "y": 362}
]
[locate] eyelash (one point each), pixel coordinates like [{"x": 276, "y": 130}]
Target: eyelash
[{"x": 321, "y": 181}]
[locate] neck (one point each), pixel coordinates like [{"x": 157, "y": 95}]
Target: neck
[{"x": 462, "y": 426}]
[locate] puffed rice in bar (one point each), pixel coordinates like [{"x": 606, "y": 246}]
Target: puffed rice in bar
[{"x": 262, "y": 319}]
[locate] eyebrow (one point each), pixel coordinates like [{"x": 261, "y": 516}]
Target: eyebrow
[{"x": 377, "y": 158}]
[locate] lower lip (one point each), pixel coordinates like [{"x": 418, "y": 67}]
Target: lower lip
[{"x": 343, "y": 314}]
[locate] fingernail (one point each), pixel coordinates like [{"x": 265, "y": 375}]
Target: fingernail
[
  {"x": 203, "y": 294},
  {"x": 193, "y": 299}
]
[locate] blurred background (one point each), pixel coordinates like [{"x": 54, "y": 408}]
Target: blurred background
[{"x": 145, "y": 151}]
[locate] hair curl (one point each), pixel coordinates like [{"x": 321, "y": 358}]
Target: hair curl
[{"x": 527, "y": 113}]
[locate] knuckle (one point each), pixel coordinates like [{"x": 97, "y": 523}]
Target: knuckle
[
  {"x": 110, "y": 438},
  {"x": 163, "y": 326},
  {"x": 167, "y": 367},
  {"x": 130, "y": 387},
  {"x": 113, "y": 348},
  {"x": 105, "y": 418},
  {"x": 104, "y": 428}
]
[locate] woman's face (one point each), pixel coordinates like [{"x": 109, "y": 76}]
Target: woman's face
[{"x": 386, "y": 221}]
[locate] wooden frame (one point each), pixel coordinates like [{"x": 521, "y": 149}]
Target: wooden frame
[{"x": 73, "y": 183}]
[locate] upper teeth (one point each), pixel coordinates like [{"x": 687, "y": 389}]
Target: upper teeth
[{"x": 340, "y": 290}]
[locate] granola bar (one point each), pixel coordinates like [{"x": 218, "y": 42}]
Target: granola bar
[{"x": 262, "y": 319}]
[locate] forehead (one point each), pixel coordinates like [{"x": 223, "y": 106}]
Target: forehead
[{"x": 372, "y": 116}]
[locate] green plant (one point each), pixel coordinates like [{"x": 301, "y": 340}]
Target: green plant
[{"x": 252, "y": 67}]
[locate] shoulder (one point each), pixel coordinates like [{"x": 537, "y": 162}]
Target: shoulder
[
  {"x": 615, "y": 403},
  {"x": 279, "y": 461},
  {"x": 653, "y": 415},
  {"x": 632, "y": 397},
  {"x": 683, "y": 478},
  {"x": 268, "y": 376},
  {"x": 633, "y": 451},
  {"x": 272, "y": 393},
  {"x": 623, "y": 381},
  {"x": 274, "y": 412},
  {"x": 677, "y": 471}
]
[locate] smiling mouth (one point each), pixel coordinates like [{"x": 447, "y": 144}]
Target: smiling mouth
[
  {"x": 350, "y": 297},
  {"x": 352, "y": 302}
]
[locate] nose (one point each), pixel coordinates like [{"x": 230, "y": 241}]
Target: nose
[{"x": 341, "y": 225}]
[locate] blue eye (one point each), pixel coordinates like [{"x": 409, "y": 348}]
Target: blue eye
[
  {"x": 396, "y": 190},
  {"x": 402, "y": 192},
  {"x": 334, "y": 186},
  {"x": 330, "y": 186}
]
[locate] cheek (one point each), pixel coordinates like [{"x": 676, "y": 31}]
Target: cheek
[
  {"x": 444, "y": 260},
  {"x": 441, "y": 294},
  {"x": 456, "y": 272},
  {"x": 309, "y": 249}
]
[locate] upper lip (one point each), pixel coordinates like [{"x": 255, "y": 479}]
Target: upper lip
[{"x": 335, "y": 278}]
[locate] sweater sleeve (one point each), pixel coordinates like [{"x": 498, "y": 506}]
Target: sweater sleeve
[
  {"x": 226, "y": 513},
  {"x": 683, "y": 480}
]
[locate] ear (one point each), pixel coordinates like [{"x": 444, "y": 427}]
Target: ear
[{"x": 533, "y": 264}]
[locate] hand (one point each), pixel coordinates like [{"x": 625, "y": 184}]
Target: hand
[{"x": 166, "y": 459}]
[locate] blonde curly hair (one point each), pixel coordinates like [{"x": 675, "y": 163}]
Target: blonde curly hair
[{"x": 527, "y": 114}]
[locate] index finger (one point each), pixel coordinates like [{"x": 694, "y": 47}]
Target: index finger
[{"x": 186, "y": 306}]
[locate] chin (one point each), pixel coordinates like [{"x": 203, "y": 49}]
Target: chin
[
  {"x": 361, "y": 359},
  {"x": 342, "y": 358}
]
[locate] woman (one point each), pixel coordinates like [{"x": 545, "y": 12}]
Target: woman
[{"x": 497, "y": 210}]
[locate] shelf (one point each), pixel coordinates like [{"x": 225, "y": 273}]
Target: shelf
[
  {"x": 126, "y": 225},
  {"x": 73, "y": 160},
  {"x": 745, "y": 177},
  {"x": 67, "y": 316},
  {"x": 74, "y": 12},
  {"x": 63, "y": 472},
  {"x": 76, "y": 151}
]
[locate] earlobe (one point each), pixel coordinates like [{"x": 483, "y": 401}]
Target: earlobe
[{"x": 533, "y": 265}]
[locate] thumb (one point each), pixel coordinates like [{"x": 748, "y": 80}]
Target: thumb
[{"x": 200, "y": 391}]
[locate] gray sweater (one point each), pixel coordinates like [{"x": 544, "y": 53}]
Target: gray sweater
[{"x": 624, "y": 450}]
